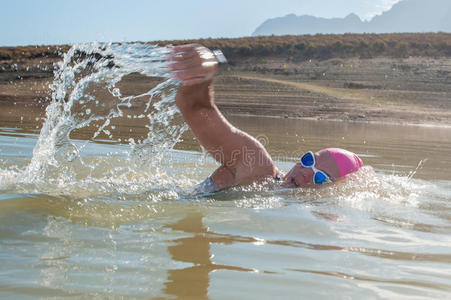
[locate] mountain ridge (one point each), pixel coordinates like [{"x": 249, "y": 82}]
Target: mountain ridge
[{"x": 404, "y": 16}]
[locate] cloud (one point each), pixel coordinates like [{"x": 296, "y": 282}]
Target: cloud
[{"x": 377, "y": 7}]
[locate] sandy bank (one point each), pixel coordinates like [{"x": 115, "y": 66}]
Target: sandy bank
[{"x": 415, "y": 90}]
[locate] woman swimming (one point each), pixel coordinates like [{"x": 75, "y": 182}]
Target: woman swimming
[{"x": 243, "y": 159}]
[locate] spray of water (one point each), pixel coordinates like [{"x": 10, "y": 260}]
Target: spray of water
[{"x": 85, "y": 72}]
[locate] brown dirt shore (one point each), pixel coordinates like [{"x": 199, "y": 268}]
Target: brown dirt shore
[{"x": 415, "y": 90}]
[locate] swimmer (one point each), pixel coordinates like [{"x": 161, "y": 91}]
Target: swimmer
[{"x": 243, "y": 160}]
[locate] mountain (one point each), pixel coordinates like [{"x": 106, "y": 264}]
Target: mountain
[{"x": 405, "y": 16}]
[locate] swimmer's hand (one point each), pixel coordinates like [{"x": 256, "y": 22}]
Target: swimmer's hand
[{"x": 193, "y": 64}]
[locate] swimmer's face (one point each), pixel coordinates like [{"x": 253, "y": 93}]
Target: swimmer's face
[{"x": 300, "y": 176}]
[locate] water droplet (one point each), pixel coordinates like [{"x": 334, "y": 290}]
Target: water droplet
[{"x": 116, "y": 92}]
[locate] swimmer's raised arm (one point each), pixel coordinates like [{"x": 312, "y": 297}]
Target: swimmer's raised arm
[{"x": 243, "y": 159}]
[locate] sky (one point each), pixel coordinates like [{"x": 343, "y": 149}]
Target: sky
[{"x": 53, "y": 22}]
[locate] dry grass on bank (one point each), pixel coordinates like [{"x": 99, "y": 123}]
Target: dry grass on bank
[{"x": 292, "y": 46}]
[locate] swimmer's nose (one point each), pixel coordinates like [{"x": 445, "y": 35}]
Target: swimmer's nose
[{"x": 300, "y": 178}]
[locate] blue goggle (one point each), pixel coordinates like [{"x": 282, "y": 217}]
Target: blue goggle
[{"x": 308, "y": 161}]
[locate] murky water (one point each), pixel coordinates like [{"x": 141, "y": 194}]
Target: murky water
[{"x": 90, "y": 213}]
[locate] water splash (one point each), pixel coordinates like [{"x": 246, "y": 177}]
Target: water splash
[
  {"x": 364, "y": 190},
  {"x": 418, "y": 168},
  {"x": 86, "y": 74}
]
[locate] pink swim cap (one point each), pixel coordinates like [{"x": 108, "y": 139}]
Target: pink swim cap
[{"x": 347, "y": 161}]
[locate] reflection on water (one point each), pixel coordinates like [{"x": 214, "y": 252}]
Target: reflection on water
[
  {"x": 54, "y": 274},
  {"x": 193, "y": 282}
]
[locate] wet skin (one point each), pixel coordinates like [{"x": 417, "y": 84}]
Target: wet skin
[
  {"x": 196, "y": 66},
  {"x": 300, "y": 176}
]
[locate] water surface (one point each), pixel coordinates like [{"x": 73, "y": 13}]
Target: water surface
[
  {"x": 140, "y": 236},
  {"x": 96, "y": 200}
]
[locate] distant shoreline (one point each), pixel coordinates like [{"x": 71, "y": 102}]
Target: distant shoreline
[
  {"x": 323, "y": 83},
  {"x": 376, "y": 122},
  {"x": 292, "y": 47}
]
